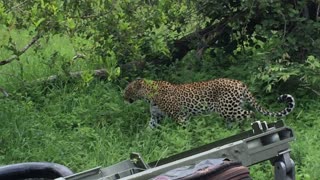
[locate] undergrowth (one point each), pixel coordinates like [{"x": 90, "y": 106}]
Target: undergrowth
[
  {"x": 84, "y": 124},
  {"x": 87, "y": 126}
]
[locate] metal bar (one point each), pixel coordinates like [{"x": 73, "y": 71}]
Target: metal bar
[{"x": 266, "y": 146}]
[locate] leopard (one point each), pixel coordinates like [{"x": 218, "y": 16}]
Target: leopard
[{"x": 227, "y": 97}]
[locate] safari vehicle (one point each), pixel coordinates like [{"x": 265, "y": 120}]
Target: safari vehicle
[{"x": 223, "y": 159}]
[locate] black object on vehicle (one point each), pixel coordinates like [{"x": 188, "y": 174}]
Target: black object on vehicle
[
  {"x": 209, "y": 169},
  {"x": 33, "y": 170}
]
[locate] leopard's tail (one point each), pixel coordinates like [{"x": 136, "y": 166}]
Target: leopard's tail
[{"x": 285, "y": 98}]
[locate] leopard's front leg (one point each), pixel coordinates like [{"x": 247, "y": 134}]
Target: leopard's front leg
[{"x": 156, "y": 115}]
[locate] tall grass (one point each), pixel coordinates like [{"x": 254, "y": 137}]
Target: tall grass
[
  {"x": 90, "y": 126},
  {"x": 87, "y": 126}
]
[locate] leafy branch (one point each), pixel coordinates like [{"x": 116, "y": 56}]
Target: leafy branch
[{"x": 18, "y": 53}]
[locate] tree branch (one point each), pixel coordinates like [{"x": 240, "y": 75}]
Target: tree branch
[
  {"x": 98, "y": 73},
  {"x": 207, "y": 37},
  {"x": 23, "y": 50}
]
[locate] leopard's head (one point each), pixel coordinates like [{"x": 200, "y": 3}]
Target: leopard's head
[{"x": 134, "y": 91}]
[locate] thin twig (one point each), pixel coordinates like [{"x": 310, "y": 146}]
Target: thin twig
[
  {"x": 318, "y": 9},
  {"x": 316, "y": 92},
  {"x": 17, "y": 6},
  {"x": 4, "y": 92},
  {"x": 285, "y": 25}
]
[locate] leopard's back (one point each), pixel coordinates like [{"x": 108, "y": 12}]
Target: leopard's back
[{"x": 219, "y": 95}]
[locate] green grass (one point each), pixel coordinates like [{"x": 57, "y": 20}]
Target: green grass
[
  {"x": 87, "y": 126},
  {"x": 47, "y": 57}
]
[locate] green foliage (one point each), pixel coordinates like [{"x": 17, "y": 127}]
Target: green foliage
[
  {"x": 111, "y": 66},
  {"x": 276, "y": 48},
  {"x": 108, "y": 33},
  {"x": 85, "y": 123}
]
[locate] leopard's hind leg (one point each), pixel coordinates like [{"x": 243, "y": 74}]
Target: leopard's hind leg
[{"x": 236, "y": 114}]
